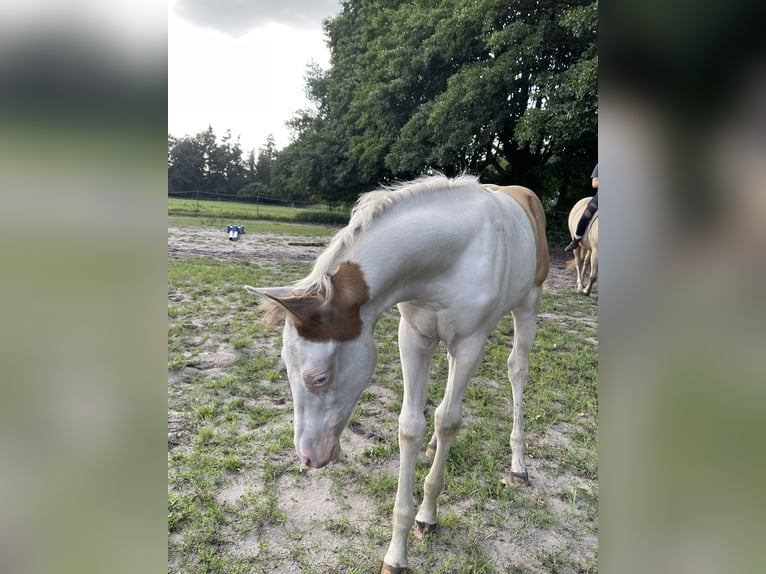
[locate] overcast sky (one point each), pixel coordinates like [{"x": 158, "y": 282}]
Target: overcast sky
[{"x": 239, "y": 64}]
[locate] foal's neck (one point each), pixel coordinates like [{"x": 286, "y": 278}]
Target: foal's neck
[{"x": 397, "y": 261}]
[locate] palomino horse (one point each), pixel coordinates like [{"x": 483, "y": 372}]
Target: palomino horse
[
  {"x": 455, "y": 257},
  {"x": 588, "y": 248}
]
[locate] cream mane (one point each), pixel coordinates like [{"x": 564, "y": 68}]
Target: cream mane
[{"x": 369, "y": 206}]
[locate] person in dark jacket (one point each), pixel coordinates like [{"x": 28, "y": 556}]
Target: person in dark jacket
[{"x": 587, "y": 215}]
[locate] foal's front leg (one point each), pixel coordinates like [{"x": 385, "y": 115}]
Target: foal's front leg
[
  {"x": 416, "y": 352},
  {"x": 448, "y": 416}
]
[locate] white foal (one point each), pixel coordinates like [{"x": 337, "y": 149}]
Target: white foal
[{"x": 455, "y": 256}]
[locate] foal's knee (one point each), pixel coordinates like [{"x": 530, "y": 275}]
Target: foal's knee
[
  {"x": 448, "y": 420},
  {"x": 412, "y": 428},
  {"x": 518, "y": 363}
]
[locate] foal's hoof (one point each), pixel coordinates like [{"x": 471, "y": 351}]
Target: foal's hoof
[
  {"x": 386, "y": 569},
  {"x": 422, "y": 529},
  {"x": 431, "y": 449},
  {"x": 520, "y": 478}
]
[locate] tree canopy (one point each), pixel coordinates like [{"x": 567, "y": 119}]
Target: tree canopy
[{"x": 505, "y": 90}]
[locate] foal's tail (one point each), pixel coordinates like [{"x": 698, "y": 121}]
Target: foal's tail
[{"x": 571, "y": 264}]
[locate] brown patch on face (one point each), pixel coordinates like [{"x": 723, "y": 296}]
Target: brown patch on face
[{"x": 319, "y": 320}]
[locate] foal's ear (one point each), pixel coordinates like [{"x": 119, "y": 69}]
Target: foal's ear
[
  {"x": 302, "y": 307},
  {"x": 270, "y": 292}
]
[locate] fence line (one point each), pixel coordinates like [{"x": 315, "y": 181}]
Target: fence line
[{"x": 254, "y": 199}]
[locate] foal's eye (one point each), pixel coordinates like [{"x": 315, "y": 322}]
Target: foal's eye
[{"x": 318, "y": 380}]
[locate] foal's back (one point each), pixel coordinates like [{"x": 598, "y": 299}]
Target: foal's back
[{"x": 484, "y": 250}]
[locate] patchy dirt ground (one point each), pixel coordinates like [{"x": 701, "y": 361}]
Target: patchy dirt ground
[
  {"x": 324, "y": 523},
  {"x": 188, "y": 242}
]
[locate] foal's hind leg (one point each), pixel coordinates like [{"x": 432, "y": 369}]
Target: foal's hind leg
[
  {"x": 524, "y": 330},
  {"x": 463, "y": 360}
]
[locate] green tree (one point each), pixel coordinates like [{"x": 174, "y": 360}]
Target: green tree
[
  {"x": 259, "y": 179},
  {"x": 202, "y": 163},
  {"x": 316, "y": 164},
  {"x": 224, "y": 172},
  {"x": 264, "y": 165},
  {"x": 249, "y": 168},
  {"x": 233, "y": 170},
  {"x": 186, "y": 165},
  {"x": 207, "y": 144},
  {"x": 506, "y": 90}
]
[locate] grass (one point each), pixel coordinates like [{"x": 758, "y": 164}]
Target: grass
[
  {"x": 236, "y": 210},
  {"x": 238, "y": 500}
]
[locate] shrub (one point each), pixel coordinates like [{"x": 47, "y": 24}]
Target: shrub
[{"x": 324, "y": 217}]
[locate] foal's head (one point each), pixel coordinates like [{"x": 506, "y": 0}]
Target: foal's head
[{"x": 330, "y": 356}]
